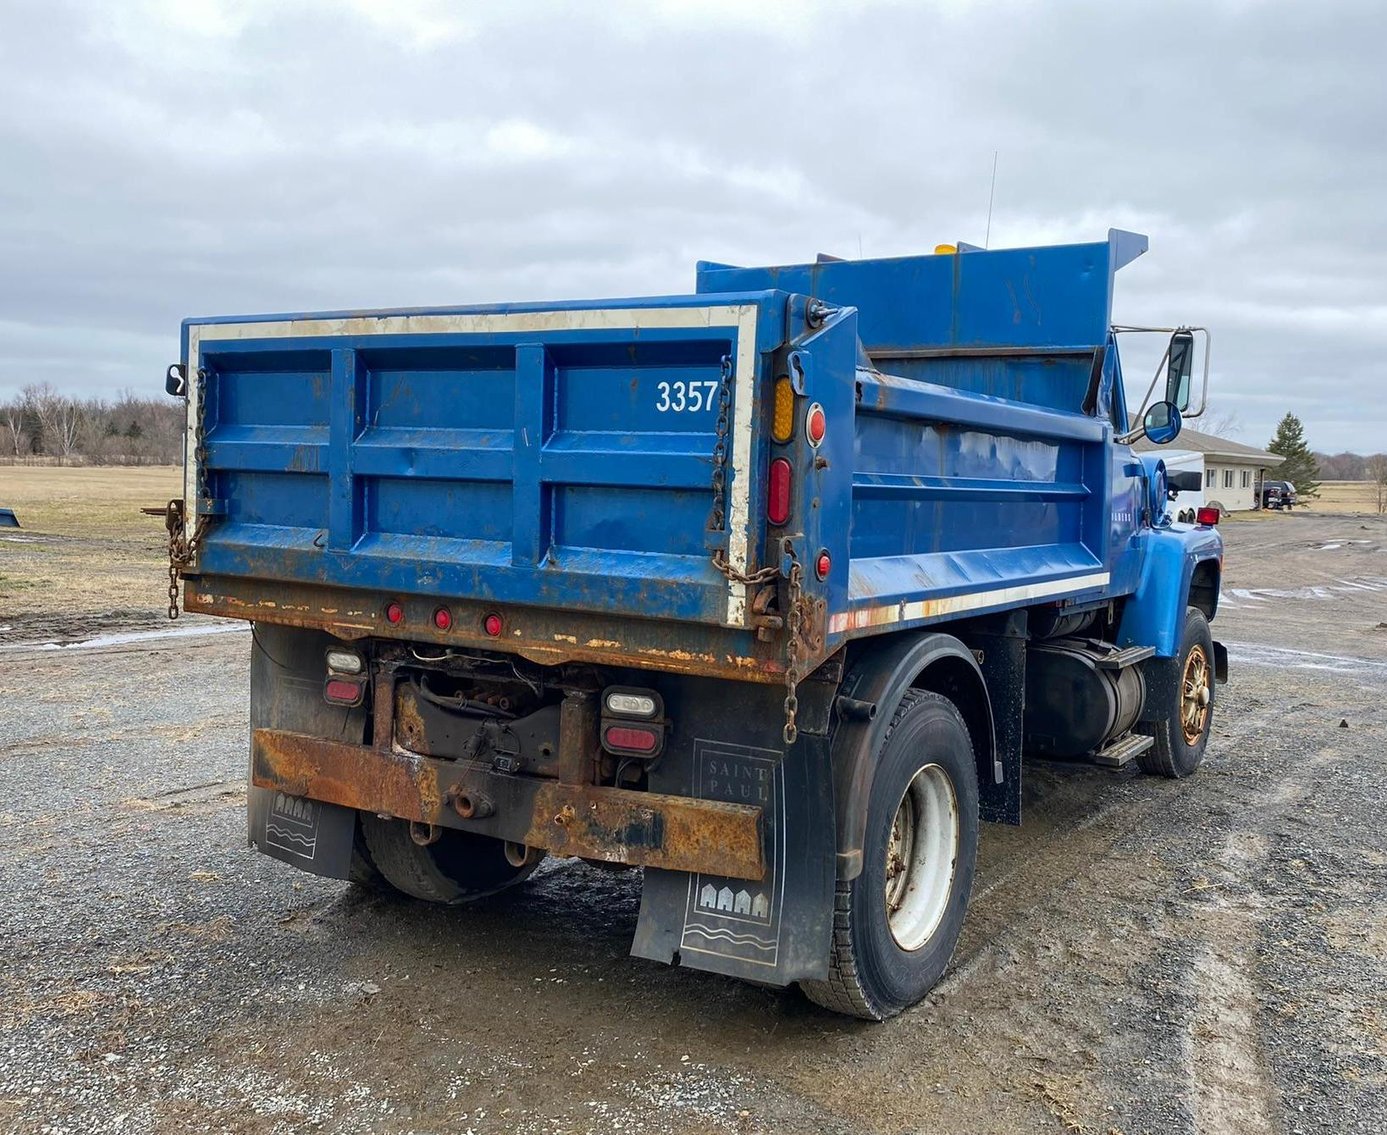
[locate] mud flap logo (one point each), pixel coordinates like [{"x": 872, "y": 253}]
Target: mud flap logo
[
  {"x": 291, "y": 825},
  {"x": 734, "y": 917}
]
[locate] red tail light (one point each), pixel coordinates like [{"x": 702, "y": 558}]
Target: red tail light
[
  {"x": 492, "y": 625},
  {"x": 1206, "y": 517},
  {"x": 394, "y": 614},
  {"x": 778, "y": 494},
  {"x": 631, "y": 738},
  {"x": 443, "y": 618},
  {"x": 344, "y": 691}
]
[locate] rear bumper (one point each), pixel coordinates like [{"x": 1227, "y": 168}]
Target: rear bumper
[{"x": 648, "y": 829}]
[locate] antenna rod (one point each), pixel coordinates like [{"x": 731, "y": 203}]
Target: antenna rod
[{"x": 991, "y": 194}]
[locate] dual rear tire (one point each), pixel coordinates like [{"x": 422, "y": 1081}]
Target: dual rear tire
[
  {"x": 895, "y": 926},
  {"x": 458, "y": 867}
]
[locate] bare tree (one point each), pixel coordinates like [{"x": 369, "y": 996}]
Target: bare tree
[
  {"x": 1225, "y": 424},
  {"x": 67, "y": 422},
  {"x": 13, "y": 416},
  {"x": 1377, "y": 470},
  {"x": 41, "y": 403}
]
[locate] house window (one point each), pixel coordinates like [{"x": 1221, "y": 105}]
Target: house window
[
  {"x": 1247, "y": 478},
  {"x": 1208, "y": 478},
  {"x": 1228, "y": 478}
]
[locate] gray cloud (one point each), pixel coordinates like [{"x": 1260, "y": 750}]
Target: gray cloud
[{"x": 165, "y": 160}]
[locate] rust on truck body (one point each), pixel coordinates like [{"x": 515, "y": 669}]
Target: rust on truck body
[
  {"x": 539, "y": 634},
  {"x": 647, "y": 829}
]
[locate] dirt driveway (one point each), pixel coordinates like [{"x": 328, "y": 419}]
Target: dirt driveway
[{"x": 1140, "y": 956}]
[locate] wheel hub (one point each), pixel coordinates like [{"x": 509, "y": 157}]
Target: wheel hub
[
  {"x": 1195, "y": 695},
  {"x": 921, "y": 854}
]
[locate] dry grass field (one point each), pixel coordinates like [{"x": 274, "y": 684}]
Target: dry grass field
[
  {"x": 86, "y": 559},
  {"x": 1346, "y": 496}
]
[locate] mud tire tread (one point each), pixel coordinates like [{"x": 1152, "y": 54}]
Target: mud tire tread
[
  {"x": 1170, "y": 756},
  {"x": 844, "y": 990}
]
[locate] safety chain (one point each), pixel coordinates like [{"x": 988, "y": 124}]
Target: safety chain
[
  {"x": 764, "y": 575},
  {"x": 200, "y": 434},
  {"x": 793, "y": 621},
  {"x": 182, "y": 550},
  {"x": 718, "y": 521}
]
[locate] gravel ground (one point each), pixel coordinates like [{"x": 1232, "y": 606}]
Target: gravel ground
[{"x": 1141, "y": 955}]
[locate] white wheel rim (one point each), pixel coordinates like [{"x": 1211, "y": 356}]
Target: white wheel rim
[{"x": 921, "y": 854}]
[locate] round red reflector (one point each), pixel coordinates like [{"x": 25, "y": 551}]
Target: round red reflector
[
  {"x": 822, "y": 564},
  {"x": 816, "y": 425},
  {"x": 778, "y": 496},
  {"x": 394, "y": 614},
  {"x": 443, "y": 618},
  {"x": 632, "y": 738},
  {"x": 492, "y": 625}
]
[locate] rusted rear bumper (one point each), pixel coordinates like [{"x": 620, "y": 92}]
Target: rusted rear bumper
[{"x": 647, "y": 829}]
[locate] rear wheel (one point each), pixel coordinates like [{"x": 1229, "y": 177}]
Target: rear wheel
[
  {"x": 895, "y": 926},
  {"x": 1182, "y": 705},
  {"x": 458, "y": 867}
]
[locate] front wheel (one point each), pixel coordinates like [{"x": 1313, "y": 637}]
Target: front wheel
[
  {"x": 895, "y": 926},
  {"x": 1180, "y": 702}
]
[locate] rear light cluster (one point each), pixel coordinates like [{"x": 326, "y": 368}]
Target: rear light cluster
[
  {"x": 346, "y": 676},
  {"x": 633, "y": 722},
  {"x": 781, "y": 476}
]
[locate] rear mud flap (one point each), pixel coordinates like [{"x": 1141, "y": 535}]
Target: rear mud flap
[
  {"x": 776, "y": 930},
  {"x": 306, "y": 834},
  {"x": 1220, "y": 663}
]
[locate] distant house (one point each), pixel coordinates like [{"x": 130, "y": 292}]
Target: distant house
[{"x": 1233, "y": 472}]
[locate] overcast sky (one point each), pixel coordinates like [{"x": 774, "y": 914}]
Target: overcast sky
[{"x": 160, "y": 160}]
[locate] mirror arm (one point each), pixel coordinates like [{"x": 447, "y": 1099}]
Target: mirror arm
[{"x": 1139, "y": 432}]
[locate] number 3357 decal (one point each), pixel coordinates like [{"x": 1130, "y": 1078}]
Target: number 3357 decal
[{"x": 686, "y": 396}]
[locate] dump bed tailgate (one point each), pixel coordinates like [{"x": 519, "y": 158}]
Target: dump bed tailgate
[{"x": 556, "y": 456}]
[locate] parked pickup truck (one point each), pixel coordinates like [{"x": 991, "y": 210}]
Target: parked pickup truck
[
  {"x": 766, "y": 589},
  {"x": 1278, "y": 495}
]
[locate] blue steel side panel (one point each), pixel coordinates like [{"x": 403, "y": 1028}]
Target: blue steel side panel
[
  {"x": 568, "y": 468},
  {"x": 954, "y": 495}
]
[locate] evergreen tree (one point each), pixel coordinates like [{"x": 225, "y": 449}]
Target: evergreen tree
[{"x": 1298, "y": 465}]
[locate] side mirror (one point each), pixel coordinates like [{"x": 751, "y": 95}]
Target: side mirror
[
  {"x": 1162, "y": 423},
  {"x": 1179, "y": 370},
  {"x": 176, "y": 381}
]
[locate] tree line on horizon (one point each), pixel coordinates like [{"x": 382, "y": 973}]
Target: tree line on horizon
[{"x": 41, "y": 422}]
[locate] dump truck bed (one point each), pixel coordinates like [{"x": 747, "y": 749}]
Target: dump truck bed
[{"x": 597, "y": 474}]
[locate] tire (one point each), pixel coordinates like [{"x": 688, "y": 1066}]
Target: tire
[
  {"x": 1180, "y": 717},
  {"x": 887, "y": 953},
  {"x": 460, "y": 867}
]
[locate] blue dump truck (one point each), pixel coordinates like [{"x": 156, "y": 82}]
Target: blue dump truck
[{"x": 767, "y": 590}]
